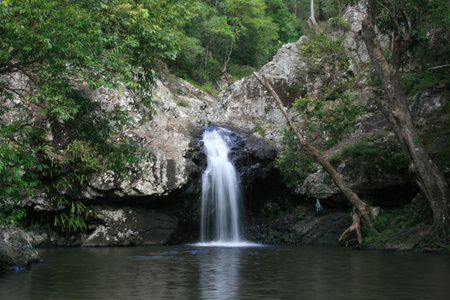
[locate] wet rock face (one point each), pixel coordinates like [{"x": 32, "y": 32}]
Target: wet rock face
[
  {"x": 311, "y": 228},
  {"x": 252, "y": 156}
]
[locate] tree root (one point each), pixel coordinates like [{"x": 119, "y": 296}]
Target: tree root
[
  {"x": 421, "y": 237},
  {"x": 356, "y": 226}
]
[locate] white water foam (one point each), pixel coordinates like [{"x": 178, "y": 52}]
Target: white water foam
[
  {"x": 221, "y": 196},
  {"x": 242, "y": 244}
]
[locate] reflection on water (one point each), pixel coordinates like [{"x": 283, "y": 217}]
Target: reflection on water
[
  {"x": 220, "y": 273},
  {"x": 192, "y": 272}
]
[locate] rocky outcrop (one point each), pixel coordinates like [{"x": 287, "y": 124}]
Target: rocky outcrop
[
  {"x": 171, "y": 134},
  {"x": 112, "y": 225},
  {"x": 246, "y": 104},
  {"x": 384, "y": 175}
]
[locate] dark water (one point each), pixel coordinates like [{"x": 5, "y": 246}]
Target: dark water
[{"x": 269, "y": 272}]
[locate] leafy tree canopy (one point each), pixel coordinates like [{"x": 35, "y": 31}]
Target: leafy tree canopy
[
  {"x": 238, "y": 32},
  {"x": 59, "y": 43},
  {"x": 50, "y": 52}
]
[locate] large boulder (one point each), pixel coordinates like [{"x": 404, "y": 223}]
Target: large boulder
[{"x": 16, "y": 249}]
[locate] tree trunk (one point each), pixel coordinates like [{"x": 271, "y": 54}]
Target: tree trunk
[
  {"x": 227, "y": 60},
  {"x": 312, "y": 18},
  {"x": 295, "y": 9},
  {"x": 356, "y": 226},
  {"x": 363, "y": 209},
  {"x": 396, "y": 111}
]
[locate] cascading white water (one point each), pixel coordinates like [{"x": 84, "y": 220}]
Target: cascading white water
[{"x": 221, "y": 199}]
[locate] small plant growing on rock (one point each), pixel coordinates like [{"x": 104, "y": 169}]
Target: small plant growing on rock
[
  {"x": 259, "y": 128},
  {"x": 372, "y": 156},
  {"x": 183, "y": 103}
]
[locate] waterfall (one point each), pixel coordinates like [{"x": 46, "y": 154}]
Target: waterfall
[{"x": 221, "y": 197}]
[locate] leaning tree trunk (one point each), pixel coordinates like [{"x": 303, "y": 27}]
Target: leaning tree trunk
[
  {"x": 396, "y": 111},
  {"x": 362, "y": 208}
]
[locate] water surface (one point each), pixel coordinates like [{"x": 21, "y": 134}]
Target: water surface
[{"x": 193, "y": 272}]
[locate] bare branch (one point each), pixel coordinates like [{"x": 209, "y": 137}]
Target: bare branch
[
  {"x": 438, "y": 67},
  {"x": 405, "y": 12}
]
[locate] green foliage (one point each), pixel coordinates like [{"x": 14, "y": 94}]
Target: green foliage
[
  {"x": 18, "y": 161},
  {"x": 416, "y": 81},
  {"x": 67, "y": 216},
  {"x": 340, "y": 23},
  {"x": 11, "y": 214},
  {"x": 427, "y": 24},
  {"x": 393, "y": 225},
  {"x": 232, "y": 32},
  {"x": 332, "y": 111},
  {"x": 93, "y": 146},
  {"x": 60, "y": 48},
  {"x": 395, "y": 17},
  {"x": 183, "y": 103},
  {"x": 294, "y": 163},
  {"x": 289, "y": 26},
  {"x": 327, "y": 115},
  {"x": 371, "y": 156},
  {"x": 55, "y": 43},
  {"x": 324, "y": 47},
  {"x": 19, "y": 168},
  {"x": 335, "y": 119},
  {"x": 190, "y": 61},
  {"x": 300, "y": 216},
  {"x": 239, "y": 72},
  {"x": 206, "y": 87},
  {"x": 258, "y": 128},
  {"x": 357, "y": 149},
  {"x": 74, "y": 219}
]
